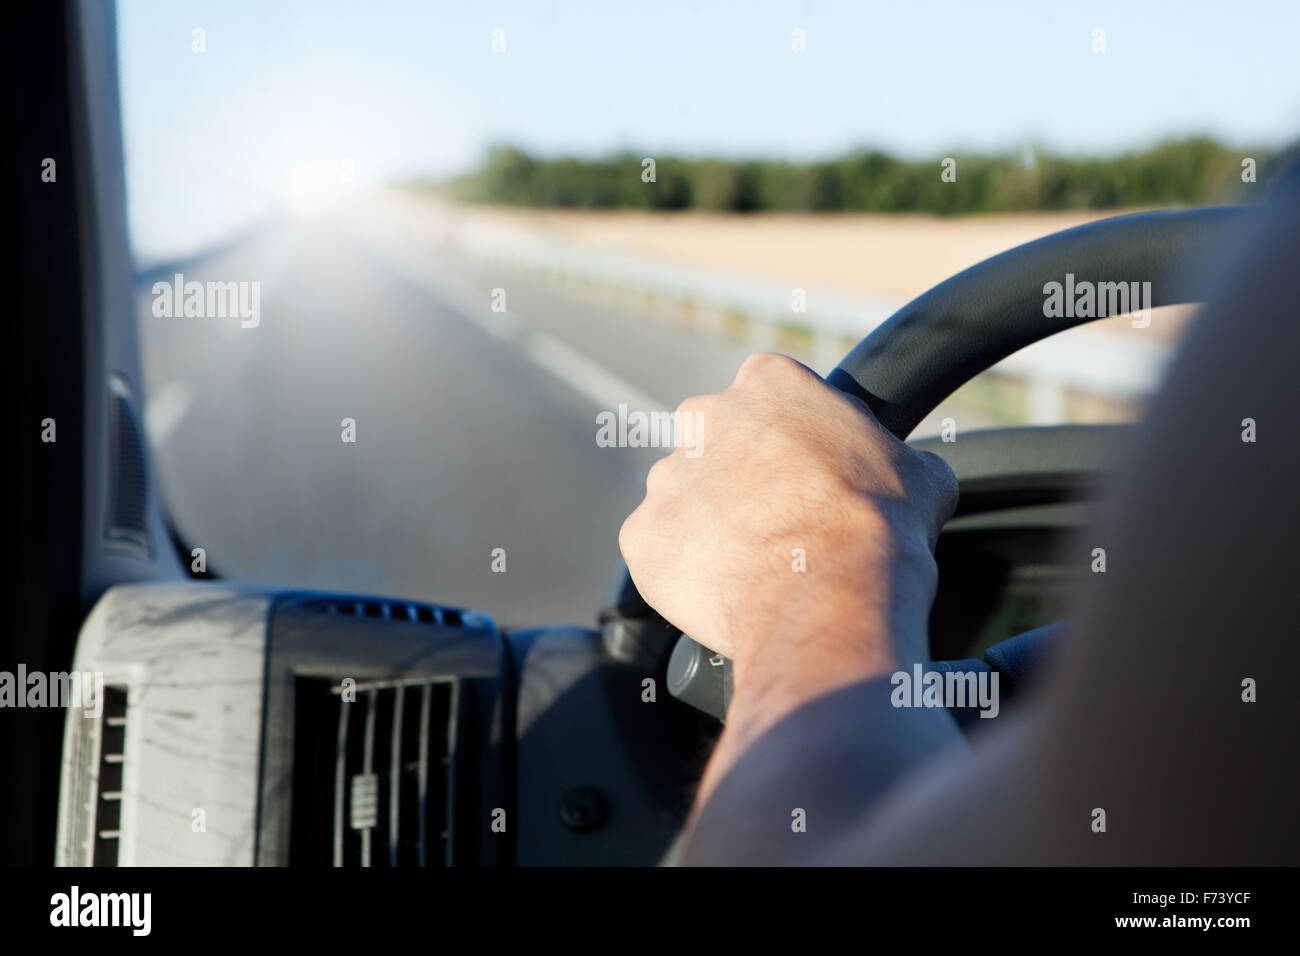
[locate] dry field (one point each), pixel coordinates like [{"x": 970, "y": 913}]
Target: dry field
[
  {"x": 892, "y": 255},
  {"x": 899, "y": 255}
]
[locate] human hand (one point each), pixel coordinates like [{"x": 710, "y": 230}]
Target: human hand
[{"x": 799, "y": 542}]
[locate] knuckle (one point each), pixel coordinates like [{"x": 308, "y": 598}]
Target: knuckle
[
  {"x": 944, "y": 479},
  {"x": 658, "y": 474},
  {"x": 629, "y": 536},
  {"x": 690, "y": 406},
  {"x": 933, "y": 461},
  {"x": 762, "y": 365},
  {"x": 688, "y": 419}
]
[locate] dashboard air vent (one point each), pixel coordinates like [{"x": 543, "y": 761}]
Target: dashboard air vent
[{"x": 372, "y": 772}]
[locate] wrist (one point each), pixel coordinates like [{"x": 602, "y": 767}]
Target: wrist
[
  {"x": 789, "y": 669},
  {"x": 862, "y": 617},
  {"x": 839, "y": 634},
  {"x": 797, "y": 661}
]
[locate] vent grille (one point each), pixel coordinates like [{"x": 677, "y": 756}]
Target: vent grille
[
  {"x": 394, "y": 611},
  {"x": 128, "y": 479},
  {"x": 112, "y": 754},
  {"x": 372, "y": 775}
]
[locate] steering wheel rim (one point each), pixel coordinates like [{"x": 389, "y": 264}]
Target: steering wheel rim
[
  {"x": 945, "y": 337},
  {"x": 942, "y": 339}
]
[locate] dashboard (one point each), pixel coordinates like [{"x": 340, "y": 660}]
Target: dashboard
[
  {"x": 1012, "y": 554},
  {"x": 248, "y": 726}
]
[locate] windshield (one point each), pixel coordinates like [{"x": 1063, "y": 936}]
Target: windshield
[{"x": 409, "y": 275}]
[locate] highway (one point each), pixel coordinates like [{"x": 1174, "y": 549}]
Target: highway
[{"x": 475, "y": 429}]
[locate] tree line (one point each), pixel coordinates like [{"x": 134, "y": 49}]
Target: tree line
[{"x": 1183, "y": 172}]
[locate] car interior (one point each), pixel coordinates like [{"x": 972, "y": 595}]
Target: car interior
[{"x": 345, "y": 728}]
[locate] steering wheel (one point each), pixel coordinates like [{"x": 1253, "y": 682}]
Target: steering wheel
[{"x": 943, "y": 338}]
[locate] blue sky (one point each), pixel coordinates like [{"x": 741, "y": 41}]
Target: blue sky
[{"x": 293, "y": 99}]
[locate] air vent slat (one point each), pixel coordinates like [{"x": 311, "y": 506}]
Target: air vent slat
[
  {"x": 395, "y": 778},
  {"x": 340, "y": 779},
  {"x": 371, "y": 790},
  {"x": 426, "y": 705}
]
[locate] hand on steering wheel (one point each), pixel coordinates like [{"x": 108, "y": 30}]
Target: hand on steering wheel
[{"x": 901, "y": 372}]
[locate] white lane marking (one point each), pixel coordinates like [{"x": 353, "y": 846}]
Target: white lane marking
[
  {"x": 467, "y": 301},
  {"x": 165, "y": 409},
  {"x": 580, "y": 372},
  {"x": 569, "y": 365}
]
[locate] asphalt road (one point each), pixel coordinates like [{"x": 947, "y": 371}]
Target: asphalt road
[{"x": 475, "y": 430}]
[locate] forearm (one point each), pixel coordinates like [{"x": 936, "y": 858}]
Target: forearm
[{"x": 800, "y": 668}]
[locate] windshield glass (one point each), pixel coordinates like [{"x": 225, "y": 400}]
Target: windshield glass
[{"x": 407, "y": 272}]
